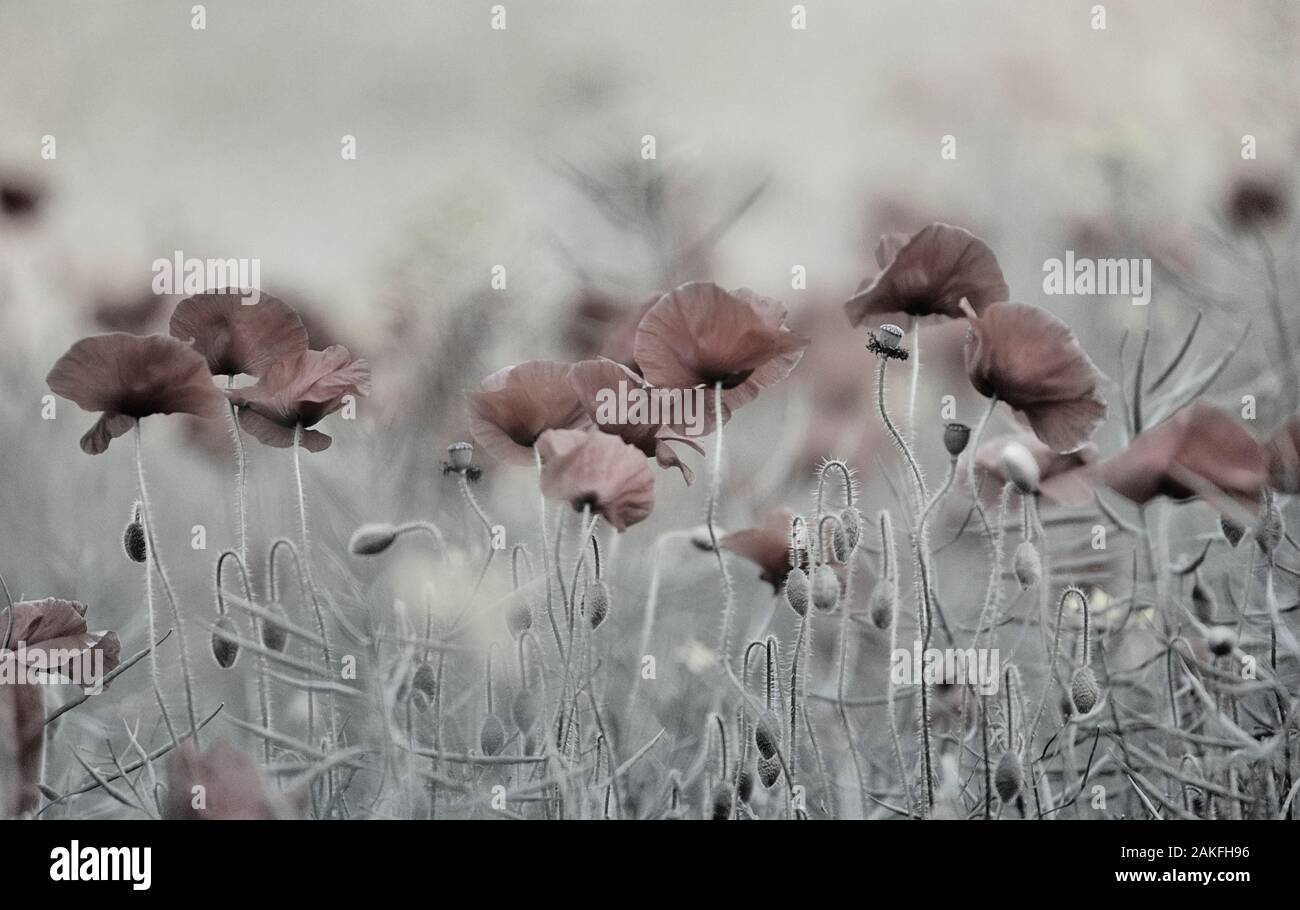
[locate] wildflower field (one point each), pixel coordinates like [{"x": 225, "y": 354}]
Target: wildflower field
[{"x": 736, "y": 412}]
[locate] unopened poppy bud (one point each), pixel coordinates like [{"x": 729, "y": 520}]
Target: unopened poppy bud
[
  {"x": 825, "y": 588},
  {"x": 225, "y": 651},
  {"x": 419, "y": 701},
  {"x": 796, "y": 590},
  {"x": 519, "y": 618},
  {"x": 370, "y": 539},
  {"x": 881, "y": 610},
  {"x": 769, "y": 771},
  {"x": 524, "y": 710},
  {"x": 890, "y": 336},
  {"x": 1084, "y": 691},
  {"x": 597, "y": 604},
  {"x": 721, "y": 802},
  {"x": 492, "y": 738},
  {"x": 1009, "y": 776},
  {"x": 133, "y": 539},
  {"x": 1029, "y": 569},
  {"x": 1203, "y": 602},
  {"x": 955, "y": 437},
  {"x": 460, "y": 454},
  {"x": 1020, "y": 467},
  {"x": 425, "y": 680},
  {"x": 1220, "y": 640},
  {"x": 852, "y": 522},
  {"x": 1232, "y": 531},
  {"x": 274, "y": 635},
  {"x": 745, "y": 785},
  {"x": 767, "y": 735},
  {"x": 1271, "y": 526},
  {"x": 839, "y": 543}
]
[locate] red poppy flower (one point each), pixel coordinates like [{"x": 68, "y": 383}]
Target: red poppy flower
[
  {"x": 300, "y": 391},
  {"x": 233, "y": 788},
  {"x": 1051, "y": 464},
  {"x": 1032, "y": 361},
  {"x": 514, "y": 406},
  {"x": 1200, "y": 452},
  {"x": 587, "y": 468},
  {"x": 700, "y": 334},
  {"x": 767, "y": 546},
  {"x": 54, "y": 632},
  {"x": 1283, "y": 453},
  {"x": 931, "y": 273},
  {"x": 238, "y": 338},
  {"x": 128, "y": 377},
  {"x": 598, "y": 383}
]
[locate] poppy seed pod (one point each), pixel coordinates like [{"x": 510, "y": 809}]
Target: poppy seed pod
[
  {"x": 1009, "y": 776},
  {"x": 492, "y": 738},
  {"x": 882, "y": 603},
  {"x": 598, "y": 604},
  {"x": 955, "y": 437},
  {"x": 1029, "y": 569},
  {"x": 1232, "y": 531},
  {"x": 1220, "y": 640},
  {"x": 825, "y": 588},
  {"x": 133, "y": 539},
  {"x": 274, "y": 636},
  {"x": 1020, "y": 467},
  {"x": 1084, "y": 691},
  {"x": 769, "y": 771},
  {"x": 425, "y": 681},
  {"x": 224, "y": 650},
  {"x": 524, "y": 710},
  {"x": 767, "y": 733},
  {"x": 745, "y": 785},
  {"x": 519, "y": 618},
  {"x": 460, "y": 454},
  {"x": 890, "y": 336},
  {"x": 370, "y": 539},
  {"x": 796, "y": 590},
  {"x": 852, "y": 522},
  {"x": 721, "y": 802}
]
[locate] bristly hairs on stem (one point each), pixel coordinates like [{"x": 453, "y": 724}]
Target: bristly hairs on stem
[{"x": 715, "y": 489}]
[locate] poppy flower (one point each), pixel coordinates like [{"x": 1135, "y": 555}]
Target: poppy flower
[
  {"x": 1032, "y": 361},
  {"x": 514, "y": 406},
  {"x": 931, "y": 273},
  {"x": 301, "y": 391},
  {"x": 1283, "y": 453},
  {"x": 1051, "y": 464},
  {"x": 53, "y": 631},
  {"x": 1200, "y": 452},
  {"x": 702, "y": 335},
  {"x": 128, "y": 377},
  {"x": 588, "y": 468},
  {"x": 767, "y": 546},
  {"x": 238, "y": 338},
  {"x": 647, "y": 420},
  {"x": 233, "y": 788}
]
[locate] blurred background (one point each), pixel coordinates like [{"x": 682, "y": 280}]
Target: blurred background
[{"x": 775, "y": 148}]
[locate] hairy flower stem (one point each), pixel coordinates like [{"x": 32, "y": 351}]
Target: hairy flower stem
[
  {"x": 484, "y": 520},
  {"x": 154, "y": 562},
  {"x": 263, "y": 689},
  {"x": 918, "y": 478},
  {"x": 241, "y": 475},
  {"x": 915, "y": 357},
  {"x": 889, "y": 572},
  {"x": 715, "y": 484},
  {"x": 546, "y": 557}
]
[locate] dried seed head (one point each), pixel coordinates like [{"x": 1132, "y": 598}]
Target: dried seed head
[
  {"x": 1271, "y": 526},
  {"x": 425, "y": 680},
  {"x": 1020, "y": 467},
  {"x": 955, "y": 437},
  {"x": 492, "y": 738},
  {"x": 133, "y": 539},
  {"x": 1231, "y": 530},
  {"x": 1009, "y": 776},
  {"x": 769, "y": 771},
  {"x": 767, "y": 735},
  {"x": 1029, "y": 569},
  {"x": 852, "y": 522},
  {"x": 882, "y": 603},
  {"x": 1220, "y": 640},
  {"x": 745, "y": 785},
  {"x": 224, "y": 650},
  {"x": 1204, "y": 603},
  {"x": 1084, "y": 691},
  {"x": 890, "y": 336},
  {"x": 721, "y": 802},
  {"x": 460, "y": 454},
  {"x": 524, "y": 709},
  {"x": 597, "y": 603},
  {"x": 825, "y": 588},
  {"x": 274, "y": 636},
  {"x": 519, "y": 618},
  {"x": 370, "y": 539},
  {"x": 796, "y": 590}
]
